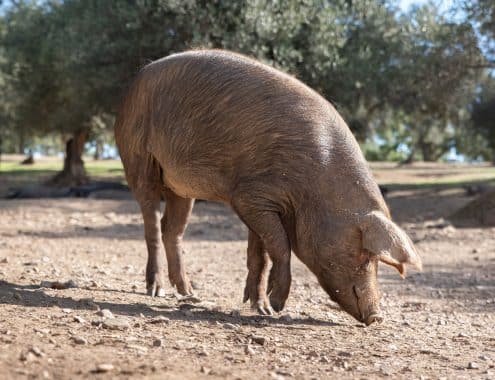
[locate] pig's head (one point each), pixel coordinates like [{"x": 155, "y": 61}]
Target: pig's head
[{"x": 348, "y": 267}]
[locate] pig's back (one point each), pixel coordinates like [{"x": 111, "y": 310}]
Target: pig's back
[{"x": 215, "y": 120}]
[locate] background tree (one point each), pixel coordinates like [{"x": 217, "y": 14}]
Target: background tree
[{"x": 402, "y": 81}]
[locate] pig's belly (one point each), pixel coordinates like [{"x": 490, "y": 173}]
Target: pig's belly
[{"x": 199, "y": 184}]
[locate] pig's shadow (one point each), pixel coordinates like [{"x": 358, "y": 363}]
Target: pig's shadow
[{"x": 33, "y": 296}]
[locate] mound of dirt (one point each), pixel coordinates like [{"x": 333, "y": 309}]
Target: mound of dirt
[{"x": 480, "y": 211}]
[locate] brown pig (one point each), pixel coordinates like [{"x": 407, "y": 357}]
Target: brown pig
[{"x": 219, "y": 126}]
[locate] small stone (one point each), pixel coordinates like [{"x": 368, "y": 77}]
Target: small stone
[
  {"x": 58, "y": 285},
  {"x": 261, "y": 340},
  {"x": 276, "y": 376},
  {"x": 116, "y": 324},
  {"x": 324, "y": 359},
  {"x": 27, "y": 357},
  {"x": 160, "y": 319},
  {"x": 41, "y": 331},
  {"x": 104, "y": 367},
  {"x": 79, "y": 319},
  {"x": 67, "y": 310},
  {"x": 441, "y": 322},
  {"x": 5, "y": 260},
  {"x": 105, "y": 313},
  {"x": 229, "y": 326},
  {"x": 137, "y": 347},
  {"x": 287, "y": 318},
  {"x": 313, "y": 354},
  {"x": 35, "y": 350},
  {"x": 79, "y": 340},
  {"x": 205, "y": 370},
  {"x": 187, "y": 313},
  {"x": 191, "y": 299},
  {"x": 129, "y": 269},
  {"x": 157, "y": 342},
  {"x": 249, "y": 350},
  {"x": 87, "y": 301},
  {"x": 45, "y": 374},
  {"x": 472, "y": 365}
]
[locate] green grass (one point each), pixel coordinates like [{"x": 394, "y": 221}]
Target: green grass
[
  {"x": 423, "y": 176},
  {"x": 106, "y": 168},
  {"x": 420, "y": 176},
  {"x": 13, "y": 174},
  {"x": 443, "y": 184}
]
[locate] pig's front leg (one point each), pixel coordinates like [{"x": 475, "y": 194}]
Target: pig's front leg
[
  {"x": 257, "y": 263},
  {"x": 268, "y": 226}
]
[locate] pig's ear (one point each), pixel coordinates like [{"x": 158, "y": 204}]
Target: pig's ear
[{"x": 385, "y": 239}]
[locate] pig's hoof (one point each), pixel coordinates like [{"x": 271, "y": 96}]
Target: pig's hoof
[
  {"x": 154, "y": 283},
  {"x": 277, "y": 304},
  {"x": 184, "y": 287},
  {"x": 263, "y": 309},
  {"x": 258, "y": 304},
  {"x": 278, "y": 297},
  {"x": 156, "y": 290}
]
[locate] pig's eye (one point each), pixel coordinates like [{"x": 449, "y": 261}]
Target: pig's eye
[{"x": 364, "y": 265}]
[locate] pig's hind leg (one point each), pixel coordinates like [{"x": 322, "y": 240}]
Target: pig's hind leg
[
  {"x": 143, "y": 177},
  {"x": 257, "y": 263},
  {"x": 173, "y": 226}
]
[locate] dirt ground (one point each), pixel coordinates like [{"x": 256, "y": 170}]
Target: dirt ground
[{"x": 438, "y": 324}]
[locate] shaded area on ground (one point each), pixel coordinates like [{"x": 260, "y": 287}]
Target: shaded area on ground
[
  {"x": 480, "y": 211},
  {"x": 34, "y": 296},
  {"x": 82, "y": 191}
]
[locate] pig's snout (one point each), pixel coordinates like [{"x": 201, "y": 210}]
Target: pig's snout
[
  {"x": 372, "y": 318},
  {"x": 367, "y": 308}
]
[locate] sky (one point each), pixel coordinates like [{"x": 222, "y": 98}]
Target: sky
[
  {"x": 447, "y": 8},
  {"x": 442, "y": 4}
]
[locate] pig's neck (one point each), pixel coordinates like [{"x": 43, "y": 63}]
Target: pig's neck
[{"x": 337, "y": 200}]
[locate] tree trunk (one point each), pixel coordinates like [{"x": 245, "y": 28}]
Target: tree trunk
[
  {"x": 98, "y": 149},
  {"x": 29, "y": 160},
  {"x": 410, "y": 159},
  {"x": 22, "y": 142},
  {"x": 73, "y": 173},
  {"x": 425, "y": 151}
]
